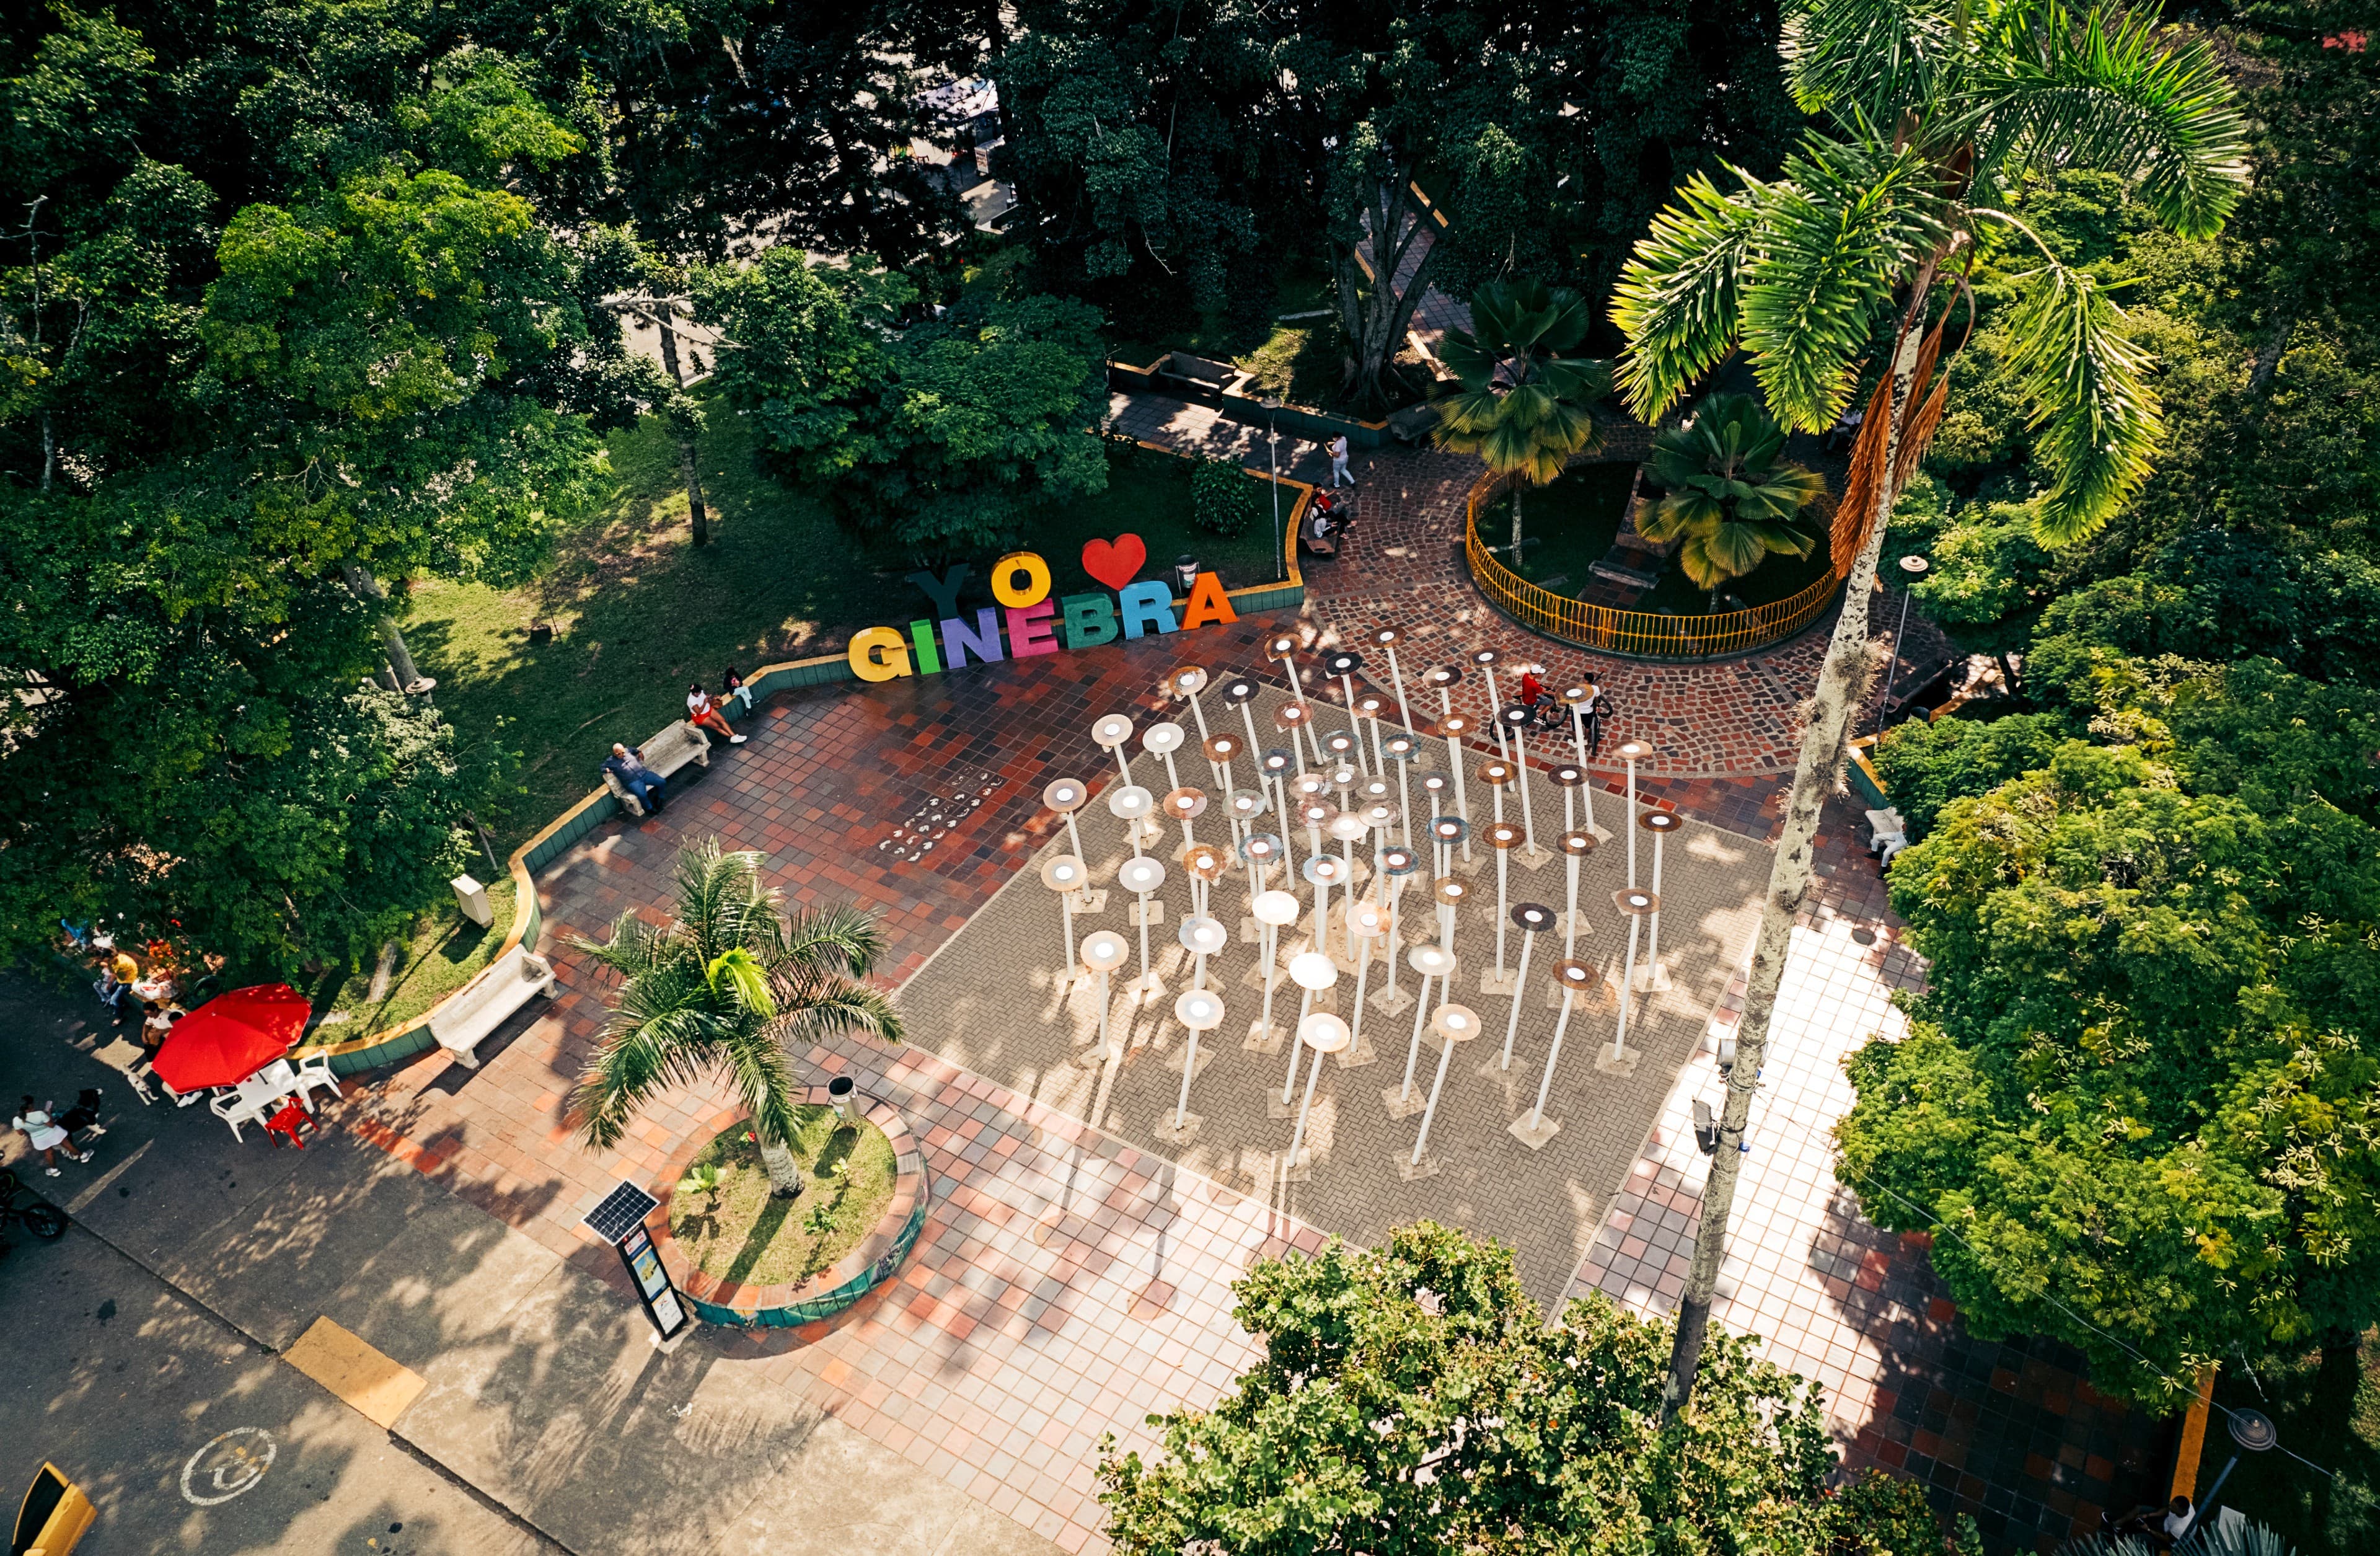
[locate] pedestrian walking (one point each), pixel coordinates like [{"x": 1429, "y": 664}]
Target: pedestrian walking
[
  {"x": 1597, "y": 709},
  {"x": 47, "y": 1134},
  {"x": 1338, "y": 476}
]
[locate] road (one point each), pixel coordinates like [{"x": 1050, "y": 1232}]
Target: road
[{"x": 189, "y": 1438}]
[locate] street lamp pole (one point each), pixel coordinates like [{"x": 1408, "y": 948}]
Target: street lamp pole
[
  {"x": 1915, "y": 566},
  {"x": 1272, "y": 454}
]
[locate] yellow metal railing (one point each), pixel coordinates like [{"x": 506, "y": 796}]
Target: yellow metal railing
[{"x": 1646, "y": 632}]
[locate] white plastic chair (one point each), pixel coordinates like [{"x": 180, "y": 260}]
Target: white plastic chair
[
  {"x": 236, "y": 1111},
  {"x": 312, "y": 1075}
]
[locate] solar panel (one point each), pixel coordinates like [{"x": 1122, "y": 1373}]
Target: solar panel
[{"x": 622, "y": 1210}]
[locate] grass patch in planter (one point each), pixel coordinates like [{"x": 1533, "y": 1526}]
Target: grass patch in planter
[{"x": 728, "y": 1226}]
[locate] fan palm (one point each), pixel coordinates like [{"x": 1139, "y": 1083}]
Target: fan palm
[
  {"x": 1931, "y": 110},
  {"x": 1731, "y": 498},
  {"x": 723, "y": 990},
  {"x": 1522, "y": 404}
]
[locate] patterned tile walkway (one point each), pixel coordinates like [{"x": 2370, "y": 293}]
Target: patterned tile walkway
[{"x": 2009, "y": 1433}]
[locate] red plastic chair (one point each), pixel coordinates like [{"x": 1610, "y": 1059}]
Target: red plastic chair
[{"x": 288, "y": 1122}]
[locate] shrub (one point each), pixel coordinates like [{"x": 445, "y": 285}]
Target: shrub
[{"x": 1223, "y": 501}]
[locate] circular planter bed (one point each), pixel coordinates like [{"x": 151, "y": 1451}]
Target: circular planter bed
[{"x": 775, "y": 1285}]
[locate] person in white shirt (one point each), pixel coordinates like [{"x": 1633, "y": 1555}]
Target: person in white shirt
[
  {"x": 48, "y": 1136},
  {"x": 702, "y": 714},
  {"x": 1339, "y": 475}
]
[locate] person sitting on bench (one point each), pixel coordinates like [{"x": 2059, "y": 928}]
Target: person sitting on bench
[
  {"x": 629, "y": 766},
  {"x": 703, "y": 714}
]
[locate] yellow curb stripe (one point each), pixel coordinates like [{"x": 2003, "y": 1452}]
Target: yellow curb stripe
[{"x": 376, "y": 1388}]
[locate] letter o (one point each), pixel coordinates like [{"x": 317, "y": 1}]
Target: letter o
[
  {"x": 1003, "y": 572},
  {"x": 879, "y": 653}
]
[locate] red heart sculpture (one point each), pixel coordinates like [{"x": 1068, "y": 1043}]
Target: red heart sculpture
[{"x": 1115, "y": 563}]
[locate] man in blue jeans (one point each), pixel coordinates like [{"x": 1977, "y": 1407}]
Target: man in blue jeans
[{"x": 629, "y": 768}]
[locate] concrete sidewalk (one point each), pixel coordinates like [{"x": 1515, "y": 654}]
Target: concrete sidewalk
[{"x": 541, "y": 1386}]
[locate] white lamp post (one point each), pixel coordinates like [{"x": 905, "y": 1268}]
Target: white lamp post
[
  {"x": 1103, "y": 951},
  {"x": 1452, "y": 1024},
  {"x": 1574, "y": 978},
  {"x": 1325, "y": 1034},
  {"x": 1429, "y": 961},
  {"x": 1533, "y": 919},
  {"x": 1637, "y": 906},
  {"x": 1198, "y": 1010}
]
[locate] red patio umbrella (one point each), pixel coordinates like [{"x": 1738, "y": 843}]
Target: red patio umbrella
[{"x": 232, "y": 1037}]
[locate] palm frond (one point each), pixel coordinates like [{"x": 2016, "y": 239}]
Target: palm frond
[
  {"x": 841, "y": 1008},
  {"x": 1865, "y": 60},
  {"x": 2082, "y": 380},
  {"x": 1838, "y": 232},
  {"x": 1677, "y": 299},
  {"x": 831, "y": 940},
  {"x": 648, "y": 1045},
  {"x": 756, "y": 1064},
  {"x": 2101, "y": 91},
  {"x": 634, "y": 946}
]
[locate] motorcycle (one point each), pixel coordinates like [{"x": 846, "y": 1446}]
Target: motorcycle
[{"x": 19, "y": 1208}]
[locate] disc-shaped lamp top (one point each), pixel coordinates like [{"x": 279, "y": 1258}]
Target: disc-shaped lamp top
[
  {"x": 1338, "y": 743},
  {"x": 1495, "y": 773},
  {"x": 1312, "y": 969},
  {"x": 1130, "y": 802},
  {"x": 1398, "y": 863},
  {"x": 1246, "y": 804},
  {"x": 1141, "y": 876},
  {"x": 1310, "y": 786},
  {"x": 1579, "y": 694},
  {"x": 1339, "y": 662},
  {"x": 1261, "y": 848},
  {"x": 1201, "y": 1009},
  {"x": 1576, "y": 844},
  {"x": 1277, "y": 908},
  {"x": 1634, "y": 750},
  {"x": 1534, "y": 916},
  {"x": 1346, "y": 826},
  {"x": 1324, "y": 1033},
  {"x": 1370, "y": 705},
  {"x": 1064, "y": 872},
  {"x": 1222, "y": 747},
  {"x": 1659, "y": 822},
  {"x": 2254, "y": 1430},
  {"x": 1188, "y": 679},
  {"x": 1366, "y": 920},
  {"x": 1379, "y": 815},
  {"x": 1515, "y": 715},
  {"x": 1401, "y": 747},
  {"x": 1450, "y": 891},
  {"x": 1449, "y": 830},
  {"x": 1206, "y": 861},
  {"x": 1915, "y": 566},
  {"x": 1112, "y": 731},
  {"x": 1276, "y": 760},
  {"x": 1443, "y": 674},
  {"x": 1161, "y": 737},
  {"x": 1203, "y": 937},
  {"x": 1280, "y": 645},
  {"x": 1386, "y": 636},
  {"x": 1065, "y": 794},
  {"x": 1290, "y": 716},
  {"x": 1430, "y": 959},
  {"x": 1454, "y": 726},
  {"x": 1503, "y": 834},
  {"x": 1239, "y": 688},
  {"x": 1344, "y": 776},
  {"x": 1374, "y": 791},
  {"x": 1104, "y": 952},
  {"x": 1568, "y": 776},
  {"x": 1315, "y": 814},
  {"x": 1573, "y": 975},
  {"x": 1485, "y": 657},
  {"x": 1434, "y": 782},
  {"x": 1634, "y": 900},
  {"x": 1324, "y": 869},
  {"x": 1185, "y": 803},
  {"x": 1455, "y": 1024}
]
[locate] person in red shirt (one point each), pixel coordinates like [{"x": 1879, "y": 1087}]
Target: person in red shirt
[{"x": 701, "y": 711}]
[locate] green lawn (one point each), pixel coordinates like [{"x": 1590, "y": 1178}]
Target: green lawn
[
  {"x": 737, "y": 1231},
  {"x": 638, "y": 612},
  {"x": 1568, "y": 525},
  {"x": 441, "y": 955},
  {"x": 2328, "y": 1409}
]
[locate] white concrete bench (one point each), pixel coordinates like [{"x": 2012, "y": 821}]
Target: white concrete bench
[
  {"x": 488, "y": 1000},
  {"x": 674, "y": 746}
]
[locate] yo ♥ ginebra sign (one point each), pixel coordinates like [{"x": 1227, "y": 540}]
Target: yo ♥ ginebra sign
[{"x": 1034, "y": 623}]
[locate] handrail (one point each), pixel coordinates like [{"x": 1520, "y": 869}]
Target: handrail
[{"x": 1642, "y": 633}]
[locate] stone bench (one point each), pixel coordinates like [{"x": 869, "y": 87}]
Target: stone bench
[
  {"x": 486, "y": 1003},
  {"x": 674, "y": 746}
]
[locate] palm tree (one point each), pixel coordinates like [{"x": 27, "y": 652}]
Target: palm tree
[
  {"x": 1931, "y": 110},
  {"x": 724, "y": 989},
  {"x": 1521, "y": 406},
  {"x": 1731, "y": 499}
]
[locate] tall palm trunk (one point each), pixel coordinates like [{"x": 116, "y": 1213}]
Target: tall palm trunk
[
  {"x": 1516, "y": 525},
  {"x": 1842, "y": 681},
  {"x": 686, "y": 456},
  {"x": 784, "y": 1171}
]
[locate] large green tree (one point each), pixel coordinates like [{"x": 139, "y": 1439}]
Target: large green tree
[
  {"x": 1523, "y": 386},
  {"x": 1930, "y": 113},
  {"x": 1411, "y": 1398},
  {"x": 2138, "y": 1105}
]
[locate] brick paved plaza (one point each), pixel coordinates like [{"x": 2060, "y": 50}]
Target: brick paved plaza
[{"x": 1075, "y": 1273}]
